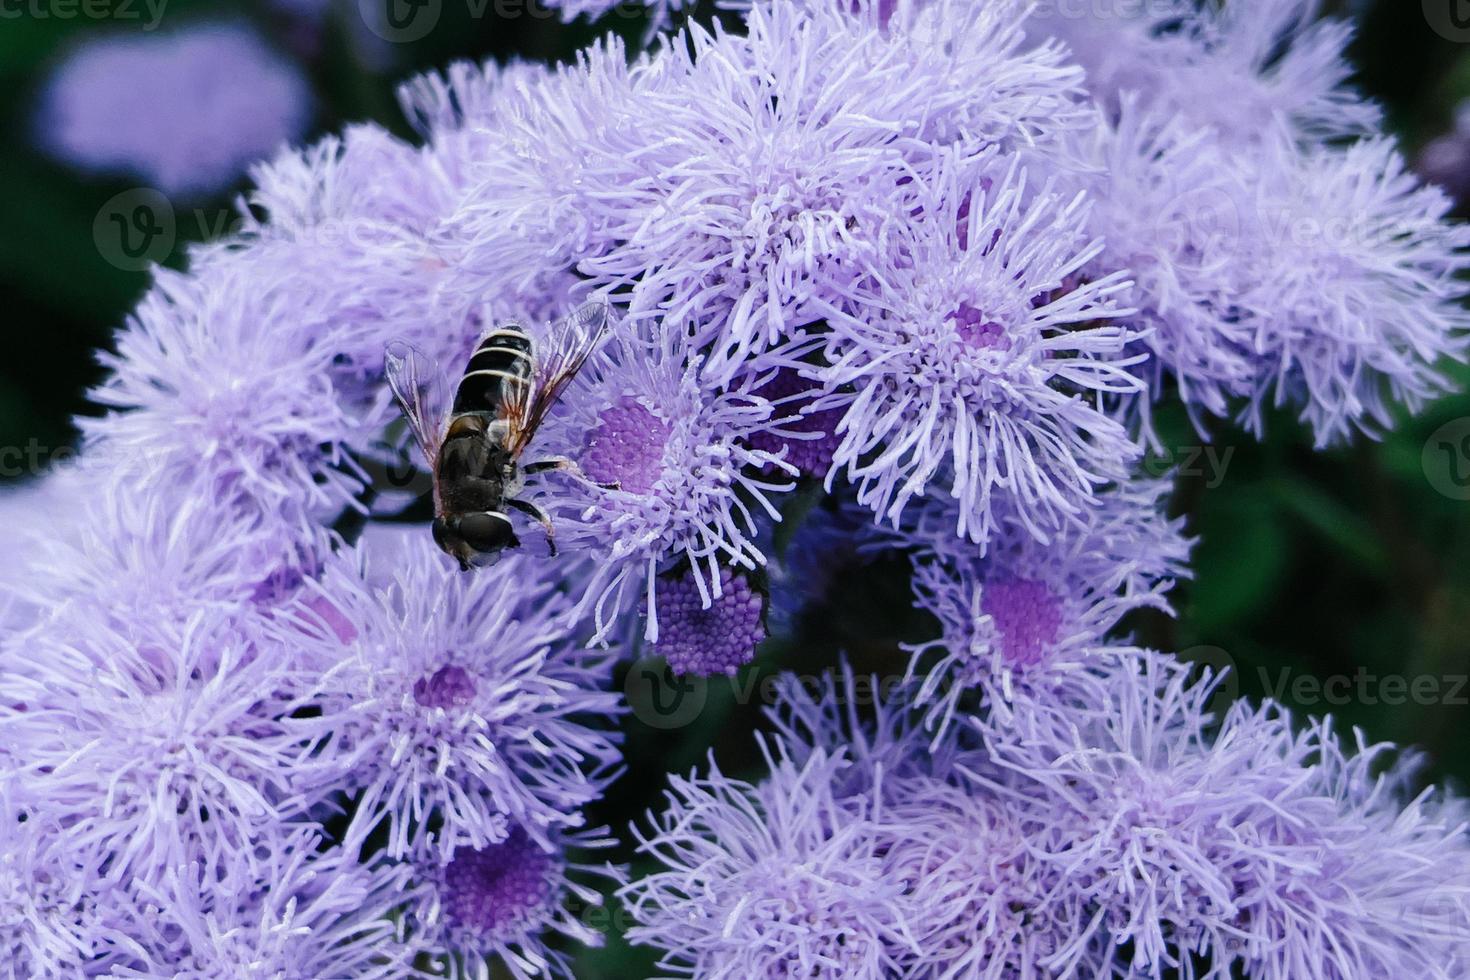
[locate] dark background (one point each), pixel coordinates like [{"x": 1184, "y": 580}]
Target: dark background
[{"x": 1311, "y": 565}]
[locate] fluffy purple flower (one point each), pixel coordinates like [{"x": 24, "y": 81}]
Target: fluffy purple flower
[
  {"x": 186, "y": 111},
  {"x": 708, "y": 635},
  {"x": 688, "y": 486},
  {"x": 497, "y": 904},
  {"x": 150, "y": 741},
  {"x": 973, "y": 367},
  {"x": 1028, "y": 612},
  {"x": 205, "y": 392},
  {"x": 768, "y": 880},
  {"x": 449, "y": 704},
  {"x": 58, "y": 916},
  {"x": 1355, "y": 217}
]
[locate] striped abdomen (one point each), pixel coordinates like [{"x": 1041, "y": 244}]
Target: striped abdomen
[{"x": 500, "y": 362}]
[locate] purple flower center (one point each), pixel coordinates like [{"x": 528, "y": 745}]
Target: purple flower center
[
  {"x": 499, "y": 890},
  {"x": 977, "y": 331},
  {"x": 1028, "y": 616},
  {"x": 447, "y": 687},
  {"x": 626, "y": 447},
  {"x": 717, "y": 640}
]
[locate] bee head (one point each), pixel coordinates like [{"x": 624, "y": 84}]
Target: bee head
[{"x": 475, "y": 540}]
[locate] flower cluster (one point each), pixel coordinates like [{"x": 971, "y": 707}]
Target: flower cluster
[{"x": 881, "y": 279}]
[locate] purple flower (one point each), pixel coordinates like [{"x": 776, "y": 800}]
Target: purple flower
[
  {"x": 969, "y": 371},
  {"x": 688, "y": 486},
  {"x": 1030, "y": 612},
  {"x": 219, "y": 383},
  {"x": 58, "y": 916},
  {"x": 153, "y": 742},
  {"x": 185, "y": 112},
  {"x": 707, "y": 635},
  {"x": 451, "y": 705},
  {"x": 497, "y": 904},
  {"x": 768, "y": 880},
  {"x": 1356, "y": 217}
]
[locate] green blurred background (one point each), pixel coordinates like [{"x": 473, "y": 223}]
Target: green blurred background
[{"x": 1311, "y": 565}]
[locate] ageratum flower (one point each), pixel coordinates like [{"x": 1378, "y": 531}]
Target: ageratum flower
[
  {"x": 539, "y": 153},
  {"x": 870, "y": 721},
  {"x": 1257, "y": 846},
  {"x": 287, "y": 907},
  {"x": 679, "y": 480},
  {"x": 1167, "y": 207},
  {"x": 153, "y": 742},
  {"x": 992, "y": 908},
  {"x": 975, "y": 363},
  {"x": 1345, "y": 355},
  {"x": 769, "y": 880},
  {"x": 1029, "y": 613},
  {"x": 449, "y": 704},
  {"x": 219, "y": 382},
  {"x": 184, "y": 111},
  {"x": 498, "y": 905}
]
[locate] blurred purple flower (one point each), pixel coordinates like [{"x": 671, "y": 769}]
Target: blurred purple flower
[{"x": 185, "y": 111}]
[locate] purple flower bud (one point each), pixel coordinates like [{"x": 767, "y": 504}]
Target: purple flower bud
[{"x": 706, "y": 634}]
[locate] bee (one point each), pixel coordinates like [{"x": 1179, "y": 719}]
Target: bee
[{"x": 474, "y": 449}]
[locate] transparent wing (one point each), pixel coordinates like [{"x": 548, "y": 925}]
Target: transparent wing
[
  {"x": 419, "y": 389},
  {"x": 568, "y": 345}
]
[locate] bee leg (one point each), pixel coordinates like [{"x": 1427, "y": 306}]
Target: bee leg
[
  {"x": 540, "y": 516},
  {"x": 568, "y": 466}
]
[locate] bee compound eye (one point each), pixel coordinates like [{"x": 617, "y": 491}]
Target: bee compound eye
[{"x": 487, "y": 531}]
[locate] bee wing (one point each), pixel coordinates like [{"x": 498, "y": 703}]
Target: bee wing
[
  {"x": 418, "y": 387},
  {"x": 569, "y": 344}
]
